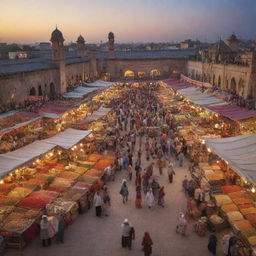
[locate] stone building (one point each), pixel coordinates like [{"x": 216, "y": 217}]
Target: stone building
[
  {"x": 222, "y": 65},
  {"x": 227, "y": 67},
  {"x": 51, "y": 76}
]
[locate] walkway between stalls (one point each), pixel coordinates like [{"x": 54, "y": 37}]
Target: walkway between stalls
[{"x": 93, "y": 236}]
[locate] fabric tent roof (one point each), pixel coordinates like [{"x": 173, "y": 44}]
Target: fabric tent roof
[
  {"x": 233, "y": 112},
  {"x": 14, "y": 159},
  {"x": 100, "y": 83},
  {"x": 176, "y": 84},
  {"x": 239, "y": 152},
  {"x": 21, "y": 156},
  {"x": 194, "y": 94},
  {"x": 101, "y": 112},
  {"x": 79, "y": 92},
  {"x": 68, "y": 138}
]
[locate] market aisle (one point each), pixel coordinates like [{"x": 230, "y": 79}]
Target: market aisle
[{"x": 93, "y": 236}]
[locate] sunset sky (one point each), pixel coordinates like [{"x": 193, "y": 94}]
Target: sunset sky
[{"x": 131, "y": 20}]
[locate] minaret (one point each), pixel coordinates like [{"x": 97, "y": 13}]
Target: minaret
[
  {"x": 111, "y": 44},
  {"x": 58, "y": 56},
  {"x": 81, "y": 51}
]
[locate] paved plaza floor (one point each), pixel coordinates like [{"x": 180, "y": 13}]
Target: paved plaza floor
[{"x": 93, "y": 236}]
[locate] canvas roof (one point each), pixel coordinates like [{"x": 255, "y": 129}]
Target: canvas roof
[{"x": 239, "y": 152}]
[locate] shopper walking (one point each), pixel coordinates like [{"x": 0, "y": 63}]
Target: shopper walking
[
  {"x": 126, "y": 234},
  {"x": 150, "y": 198},
  {"x": 147, "y": 244},
  {"x": 61, "y": 229},
  {"x": 161, "y": 195},
  {"x": 124, "y": 191},
  {"x": 212, "y": 244},
  {"x": 44, "y": 231},
  {"x": 97, "y": 201},
  {"x": 170, "y": 172},
  {"x": 138, "y": 197},
  {"x": 106, "y": 200}
]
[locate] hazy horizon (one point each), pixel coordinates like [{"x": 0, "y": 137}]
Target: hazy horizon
[{"x": 137, "y": 21}]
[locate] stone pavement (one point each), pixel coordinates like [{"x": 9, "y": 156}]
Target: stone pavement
[{"x": 93, "y": 236}]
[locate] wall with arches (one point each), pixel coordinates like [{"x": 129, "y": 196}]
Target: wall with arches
[
  {"x": 117, "y": 68},
  {"x": 227, "y": 77},
  {"x": 17, "y": 87}
]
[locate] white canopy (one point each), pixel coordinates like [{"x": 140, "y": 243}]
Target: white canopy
[
  {"x": 21, "y": 156},
  {"x": 68, "y": 138},
  {"x": 239, "y": 152},
  {"x": 101, "y": 112},
  {"x": 100, "y": 83},
  {"x": 194, "y": 94},
  {"x": 79, "y": 92},
  {"x": 14, "y": 159}
]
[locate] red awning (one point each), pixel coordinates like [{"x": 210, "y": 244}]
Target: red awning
[{"x": 233, "y": 112}]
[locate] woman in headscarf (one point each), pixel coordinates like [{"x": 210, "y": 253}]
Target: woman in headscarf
[
  {"x": 212, "y": 243},
  {"x": 182, "y": 224},
  {"x": 147, "y": 244},
  {"x": 138, "y": 197},
  {"x": 124, "y": 191},
  {"x": 150, "y": 198},
  {"x": 161, "y": 195}
]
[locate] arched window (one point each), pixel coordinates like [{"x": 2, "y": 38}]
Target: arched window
[
  {"x": 129, "y": 74},
  {"x": 233, "y": 85},
  {"x": 32, "y": 92},
  {"x": 52, "y": 91},
  {"x": 40, "y": 91},
  {"x": 219, "y": 82},
  {"x": 141, "y": 74}
]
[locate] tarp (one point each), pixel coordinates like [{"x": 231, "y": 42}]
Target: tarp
[
  {"x": 9, "y": 129},
  {"x": 233, "y": 112},
  {"x": 19, "y": 157},
  {"x": 79, "y": 92},
  {"x": 239, "y": 152},
  {"x": 176, "y": 84},
  {"x": 100, "y": 83},
  {"x": 194, "y": 94},
  {"x": 101, "y": 112},
  {"x": 68, "y": 138}
]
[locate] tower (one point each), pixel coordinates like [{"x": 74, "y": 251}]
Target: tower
[
  {"x": 81, "y": 51},
  {"x": 59, "y": 58},
  {"x": 111, "y": 44}
]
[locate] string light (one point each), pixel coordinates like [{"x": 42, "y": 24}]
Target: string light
[{"x": 253, "y": 190}]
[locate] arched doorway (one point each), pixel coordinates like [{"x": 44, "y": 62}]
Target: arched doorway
[
  {"x": 155, "y": 73},
  {"x": 40, "y": 91},
  {"x": 141, "y": 74},
  {"x": 213, "y": 80},
  {"x": 241, "y": 87},
  {"x": 233, "y": 85},
  {"x": 32, "y": 92},
  {"x": 219, "y": 82},
  {"x": 52, "y": 91},
  {"x": 129, "y": 74}
]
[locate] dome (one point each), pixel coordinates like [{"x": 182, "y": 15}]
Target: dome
[
  {"x": 111, "y": 35},
  {"x": 233, "y": 38},
  {"x": 80, "y": 40},
  {"x": 57, "y": 36}
]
